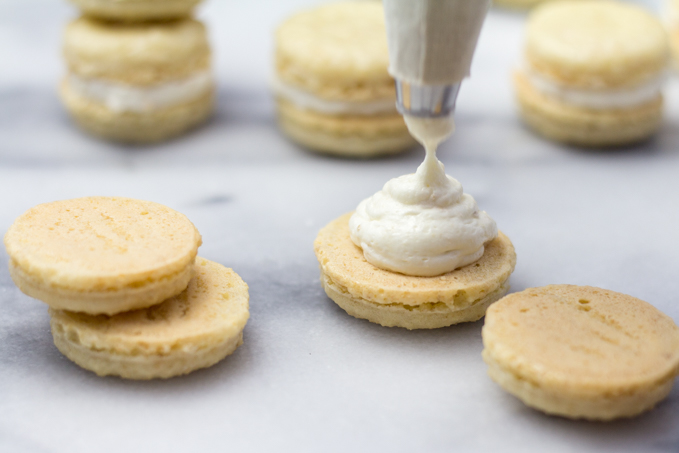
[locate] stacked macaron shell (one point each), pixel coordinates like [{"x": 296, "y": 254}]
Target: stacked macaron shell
[
  {"x": 127, "y": 294},
  {"x": 137, "y": 81},
  {"x": 332, "y": 88},
  {"x": 593, "y": 72}
]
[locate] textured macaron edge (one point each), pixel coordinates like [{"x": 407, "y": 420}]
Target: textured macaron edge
[
  {"x": 553, "y": 401},
  {"x": 423, "y": 316},
  {"x": 102, "y": 302},
  {"x": 143, "y": 367}
]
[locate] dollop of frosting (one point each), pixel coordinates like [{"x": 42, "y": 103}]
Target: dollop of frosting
[{"x": 422, "y": 224}]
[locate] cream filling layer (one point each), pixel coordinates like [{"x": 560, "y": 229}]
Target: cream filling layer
[
  {"x": 306, "y": 100},
  {"x": 598, "y": 99},
  {"x": 121, "y": 97},
  {"x": 422, "y": 224}
]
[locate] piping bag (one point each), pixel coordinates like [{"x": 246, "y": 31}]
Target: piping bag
[{"x": 431, "y": 45}]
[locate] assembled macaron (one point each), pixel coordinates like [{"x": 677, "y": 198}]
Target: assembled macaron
[
  {"x": 593, "y": 73},
  {"x": 333, "y": 92},
  {"x": 137, "y": 83}
]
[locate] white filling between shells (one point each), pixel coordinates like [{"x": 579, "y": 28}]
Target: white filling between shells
[
  {"x": 306, "y": 100},
  {"x": 599, "y": 99},
  {"x": 121, "y": 97}
]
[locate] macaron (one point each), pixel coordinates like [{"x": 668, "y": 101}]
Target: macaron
[
  {"x": 101, "y": 255},
  {"x": 392, "y": 299},
  {"x": 333, "y": 92},
  {"x": 192, "y": 330},
  {"x": 581, "y": 352},
  {"x": 136, "y": 10},
  {"x": 592, "y": 73},
  {"x": 137, "y": 83}
]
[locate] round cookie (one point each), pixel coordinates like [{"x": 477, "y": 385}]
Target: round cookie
[
  {"x": 581, "y": 352},
  {"x": 137, "y": 83},
  {"x": 396, "y": 300},
  {"x": 136, "y": 10},
  {"x": 192, "y": 330},
  {"x": 593, "y": 73},
  {"x": 101, "y": 255},
  {"x": 333, "y": 91}
]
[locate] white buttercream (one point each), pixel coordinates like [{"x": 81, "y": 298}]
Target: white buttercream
[
  {"x": 306, "y": 100},
  {"x": 121, "y": 97},
  {"x": 599, "y": 99},
  {"x": 422, "y": 224}
]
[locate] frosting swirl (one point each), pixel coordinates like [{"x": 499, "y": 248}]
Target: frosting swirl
[{"x": 422, "y": 224}]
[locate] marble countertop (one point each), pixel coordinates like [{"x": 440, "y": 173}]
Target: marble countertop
[{"x": 309, "y": 377}]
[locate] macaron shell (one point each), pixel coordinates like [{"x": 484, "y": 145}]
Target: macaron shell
[
  {"x": 136, "y": 10},
  {"x": 595, "y": 44},
  {"x": 189, "y": 331}
]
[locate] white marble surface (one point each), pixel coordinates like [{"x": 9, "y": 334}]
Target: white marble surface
[{"x": 310, "y": 378}]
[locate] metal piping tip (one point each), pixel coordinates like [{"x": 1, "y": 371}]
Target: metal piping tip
[{"x": 426, "y": 101}]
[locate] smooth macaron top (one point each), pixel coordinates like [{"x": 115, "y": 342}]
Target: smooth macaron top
[
  {"x": 337, "y": 51},
  {"x": 582, "y": 340},
  {"x": 213, "y": 308},
  {"x": 137, "y": 54},
  {"x": 101, "y": 243},
  {"x": 595, "y": 44}
]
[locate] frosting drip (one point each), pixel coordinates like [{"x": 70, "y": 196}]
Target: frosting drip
[{"x": 422, "y": 224}]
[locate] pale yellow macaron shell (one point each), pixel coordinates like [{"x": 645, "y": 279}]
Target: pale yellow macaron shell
[
  {"x": 595, "y": 44},
  {"x": 136, "y": 10},
  {"x": 336, "y": 51},
  {"x": 101, "y": 247},
  {"x": 136, "y": 54},
  {"x": 582, "y": 343},
  {"x": 192, "y": 330}
]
